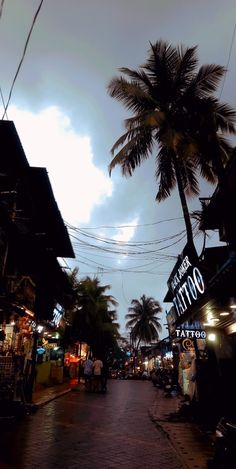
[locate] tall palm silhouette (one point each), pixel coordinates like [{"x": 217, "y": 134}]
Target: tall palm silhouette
[
  {"x": 176, "y": 116},
  {"x": 91, "y": 314},
  {"x": 96, "y": 315},
  {"x": 143, "y": 321}
]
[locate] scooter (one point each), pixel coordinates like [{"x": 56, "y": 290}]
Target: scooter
[{"x": 225, "y": 445}]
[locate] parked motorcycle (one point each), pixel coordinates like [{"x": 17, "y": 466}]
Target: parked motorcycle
[{"x": 225, "y": 445}]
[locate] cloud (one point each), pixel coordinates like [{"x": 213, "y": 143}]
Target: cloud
[
  {"x": 50, "y": 141},
  {"x": 126, "y": 233}
]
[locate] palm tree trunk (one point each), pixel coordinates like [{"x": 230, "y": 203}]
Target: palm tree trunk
[
  {"x": 136, "y": 352},
  {"x": 184, "y": 205}
]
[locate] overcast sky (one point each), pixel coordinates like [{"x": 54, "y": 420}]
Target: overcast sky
[{"x": 67, "y": 123}]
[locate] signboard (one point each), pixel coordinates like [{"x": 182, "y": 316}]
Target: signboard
[
  {"x": 186, "y": 282},
  {"x": 57, "y": 317},
  {"x": 190, "y": 334},
  {"x": 187, "y": 345}
]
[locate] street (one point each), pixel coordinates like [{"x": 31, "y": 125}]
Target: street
[{"x": 90, "y": 431}]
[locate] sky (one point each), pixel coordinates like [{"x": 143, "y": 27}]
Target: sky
[{"x": 68, "y": 123}]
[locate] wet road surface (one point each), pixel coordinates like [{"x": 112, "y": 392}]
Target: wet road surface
[{"x": 90, "y": 431}]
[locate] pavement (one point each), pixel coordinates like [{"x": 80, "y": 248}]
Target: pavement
[
  {"x": 193, "y": 446},
  {"x": 49, "y": 393}
]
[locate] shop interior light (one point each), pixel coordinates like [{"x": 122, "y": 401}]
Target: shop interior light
[
  {"x": 224, "y": 313},
  {"x": 209, "y": 317},
  {"x": 233, "y": 306},
  {"x": 211, "y": 337},
  {"x": 232, "y": 328},
  {"x": 30, "y": 313}
]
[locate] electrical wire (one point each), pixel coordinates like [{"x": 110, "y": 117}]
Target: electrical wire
[
  {"x": 87, "y": 246},
  {"x": 1, "y": 8},
  {"x": 115, "y": 242},
  {"x": 229, "y": 57},
  {"x": 126, "y": 226},
  {"x": 4, "y": 107},
  {"x": 3, "y": 102},
  {"x": 22, "y": 58},
  {"x": 153, "y": 258}
]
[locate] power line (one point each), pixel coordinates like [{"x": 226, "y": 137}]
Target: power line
[
  {"x": 22, "y": 58},
  {"x": 4, "y": 107},
  {"x": 3, "y": 102},
  {"x": 1, "y": 8},
  {"x": 121, "y": 243},
  {"x": 228, "y": 61},
  {"x": 124, "y": 226}
]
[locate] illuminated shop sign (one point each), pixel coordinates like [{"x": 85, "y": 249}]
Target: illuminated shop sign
[
  {"x": 185, "y": 283},
  {"x": 187, "y": 345},
  {"x": 190, "y": 334},
  {"x": 57, "y": 317}
]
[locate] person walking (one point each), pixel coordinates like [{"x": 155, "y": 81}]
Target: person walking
[
  {"x": 88, "y": 373},
  {"x": 97, "y": 372}
]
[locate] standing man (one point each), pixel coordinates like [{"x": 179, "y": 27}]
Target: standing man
[
  {"x": 97, "y": 374},
  {"x": 88, "y": 372}
]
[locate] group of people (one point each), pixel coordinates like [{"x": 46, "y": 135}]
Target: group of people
[{"x": 95, "y": 372}]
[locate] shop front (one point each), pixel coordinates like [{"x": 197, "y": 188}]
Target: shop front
[
  {"x": 74, "y": 359},
  {"x": 202, "y": 325},
  {"x": 16, "y": 342}
]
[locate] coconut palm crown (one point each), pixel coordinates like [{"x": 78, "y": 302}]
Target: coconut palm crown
[
  {"x": 143, "y": 320},
  {"x": 176, "y": 117}
]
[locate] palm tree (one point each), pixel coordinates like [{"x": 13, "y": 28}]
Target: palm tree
[
  {"x": 90, "y": 316},
  {"x": 96, "y": 319},
  {"x": 143, "y": 320},
  {"x": 175, "y": 114}
]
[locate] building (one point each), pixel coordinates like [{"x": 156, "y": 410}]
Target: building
[
  {"x": 32, "y": 237},
  {"x": 202, "y": 319}
]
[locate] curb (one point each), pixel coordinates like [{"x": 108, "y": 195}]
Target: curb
[
  {"x": 46, "y": 400},
  {"x": 186, "y": 439},
  {"x": 159, "y": 425}
]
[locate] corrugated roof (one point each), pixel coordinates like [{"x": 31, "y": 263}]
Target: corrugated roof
[{"x": 36, "y": 190}]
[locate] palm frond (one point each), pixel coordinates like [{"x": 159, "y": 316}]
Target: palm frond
[
  {"x": 134, "y": 151},
  {"x": 207, "y": 79},
  {"x": 165, "y": 174},
  {"x": 131, "y": 94},
  {"x": 225, "y": 118}
]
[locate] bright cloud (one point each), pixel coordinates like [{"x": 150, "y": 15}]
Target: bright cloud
[
  {"x": 125, "y": 233},
  {"x": 50, "y": 141}
]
